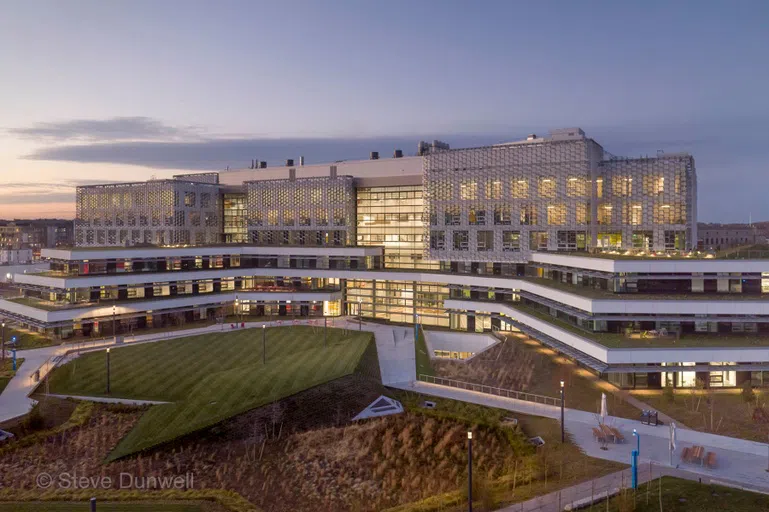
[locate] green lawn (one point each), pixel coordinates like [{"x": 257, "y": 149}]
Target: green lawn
[
  {"x": 212, "y": 377},
  {"x": 6, "y": 371},
  {"x": 424, "y": 366},
  {"x": 26, "y": 339},
  {"x": 106, "y": 506},
  {"x": 685, "y": 496}
]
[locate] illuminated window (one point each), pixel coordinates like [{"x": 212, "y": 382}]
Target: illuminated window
[
  {"x": 576, "y": 186},
  {"x": 528, "y": 215},
  {"x": 511, "y": 241},
  {"x": 494, "y": 189},
  {"x": 502, "y": 215},
  {"x": 519, "y": 188},
  {"x": 653, "y": 185},
  {"x": 288, "y": 217},
  {"x": 468, "y": 190},
  {"x": 604, "y": 214},
  {"x": 582, "y": 211},
  {"x": 321, "y": 217},
  {"x": 477, "y": 216},
  {"x": 189, "y": 199},
  {"x": 622, "y": 186},
  {"x": 633, "y": 214},
  {"x": 547, "y": 187},
  {"x": 556, "y": 214}
]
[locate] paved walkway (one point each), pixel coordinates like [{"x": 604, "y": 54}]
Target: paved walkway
[
  {"x": 395, "y": 344},
  {"x": 106, "y": 400},
  {"x": 741, "y": 461}
]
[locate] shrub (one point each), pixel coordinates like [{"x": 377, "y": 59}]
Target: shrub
[
  {"x": 747, "y": 392},
  {"x": 669, "y": 394}
]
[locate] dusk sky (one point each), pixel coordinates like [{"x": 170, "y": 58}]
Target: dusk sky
[{"x": 98, "y": 91}]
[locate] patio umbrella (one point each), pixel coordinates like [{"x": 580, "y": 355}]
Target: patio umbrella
[{"x": 604, "y": 408}]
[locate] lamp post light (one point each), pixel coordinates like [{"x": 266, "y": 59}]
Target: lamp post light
[
  {"x": 563, "y": 434},
  {"x": 638, "y": 440},
  {"x": 360, "y": 314},
  {"x": 264, "y": 344},
  {"x": 108, "y": 371},
  {"x": 470, "y": 470},
  {"x": 237, "y": 308}
]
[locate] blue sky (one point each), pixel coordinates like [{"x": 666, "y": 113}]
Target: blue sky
[{"x": 114, "y": 91}]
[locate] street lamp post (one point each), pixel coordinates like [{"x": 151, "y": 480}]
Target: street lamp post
[
  {"x": 563, "y": 435},
  {"x": 638, "y": 440},
  {"x": 114, "y": 332},
  {"x": 470, "y": 470},
  {"x": 634, "y": 461},
  {"x": 360, "y": 314},
  {"x": 108, "y": 371},
  {"x": 264, "y": 344},
  {"x": 325, "y": 331},
  {"x": 2, "y": 344},
  {"x": 237, "y": 308}
]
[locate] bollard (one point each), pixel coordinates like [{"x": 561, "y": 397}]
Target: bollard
[
  {"x": 93, "y": 504},
  {"x": 634, "y": 469}
]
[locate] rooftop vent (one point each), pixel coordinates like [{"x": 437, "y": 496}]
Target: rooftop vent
[
  {"x": 262, "y": 164},
  {"x": 531, "y": 136},
  {"x": 374, "y": 155},
  {"x": 301, "y": 160},
  {"x": 398, "y": 154},
  {"x": 289, "y": 162}
]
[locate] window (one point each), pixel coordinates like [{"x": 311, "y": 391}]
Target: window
[
  {"x": 653, "y": 185},
  {"x": 599, "y": 187},
  {"x": 519, "y": 188},
  {"x": 316, "y": 196},
  {"x": 288, "y": 217},
  {"x": 321, "y": 217},
  {"x": 451, "y": 216},
  {"x": 604, "y": 214},
  {"x": 494, "y": 189},
  {"x": 673, "y": 213},
  {"x": 556, "y": 214},
  {"x": 675, "y": 240},
  {"x": 502, "y": 215},
  {"x": 610, "y": 240},
  {"x": 511, "y": 241},
  {"x": 205, "y": 200},
  {"x": 547, "y": 187},
  {"x": 485, "y": 241},
  {"x": 189, "y": 199},
  {"x": 437, "y": 240},
  {"x": 468, "y": 190},
  {"x": 582, "y": 211},
  {"x": 622, "y": 186},
  {"x": 528, "y": 215},
  {"x": 576, "y": 186},
  {"x": 477, "y": 216},
  {"x": 339, "y": 218},
  {"x": 633, "y": 214},
  {"x": 195, "y": 218},
  {"x": 304, "y": 217},
  {"x": 461, "y": 241},
  {"x": 643, "y": 240},
  {"x": 571, "y": 240},
  {"x": 538, "y": 240}
]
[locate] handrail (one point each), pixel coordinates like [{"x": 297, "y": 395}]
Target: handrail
[{"x": 491, "y": 390}]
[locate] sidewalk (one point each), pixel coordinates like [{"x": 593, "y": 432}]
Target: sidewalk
[{"x": 741, "y": 461}]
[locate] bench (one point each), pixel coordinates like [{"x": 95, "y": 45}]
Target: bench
[
  {"x": 599, "y": 436},
  {"x": 710, "y": 460},
  {"x": 608, "y": 432},
  {"x": 618, "y": 437}
]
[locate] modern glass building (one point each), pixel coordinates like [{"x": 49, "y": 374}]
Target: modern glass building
[{"x": 591, "y": 254}]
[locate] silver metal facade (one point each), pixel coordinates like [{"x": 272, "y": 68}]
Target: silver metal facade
[
  {"x": 156, "y": 212},
  {"x": 307, "y": 211},
  {"x": 499, "y": 203}
]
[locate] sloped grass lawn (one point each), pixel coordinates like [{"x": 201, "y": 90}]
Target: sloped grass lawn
[{"x": 212, "y": 377}]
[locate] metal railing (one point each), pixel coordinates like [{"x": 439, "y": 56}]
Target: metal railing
[{"x": 491, "y": 390}]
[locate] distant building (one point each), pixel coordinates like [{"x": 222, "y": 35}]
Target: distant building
[
  {"x": 15, "y": 256},
  {"x": 725, "y": 236},
  {"x": 36, "y": 234}
]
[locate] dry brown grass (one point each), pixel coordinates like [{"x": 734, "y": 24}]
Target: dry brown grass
[
  {"x": 730, "y": 415},
  {"x": 523, "y": 364}
]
